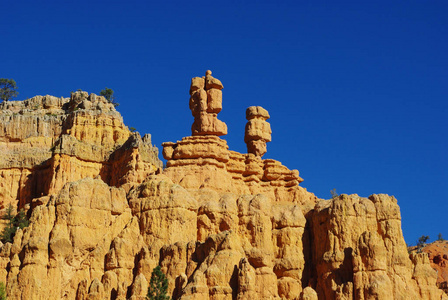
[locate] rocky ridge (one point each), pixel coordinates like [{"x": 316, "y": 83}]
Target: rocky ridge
[{"x": 221, "y": 224}]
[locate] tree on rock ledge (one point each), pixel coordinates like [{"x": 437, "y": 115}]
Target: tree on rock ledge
[
  {"x": 109, "y": 95},
  {"x": 8, "y": 89},
  {"x": 158, "y": 285}
]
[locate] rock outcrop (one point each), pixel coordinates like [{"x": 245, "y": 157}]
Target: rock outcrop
[
  {"x": 47, "y": 142},
  {"x": 361, "y": 253},
  {"x": 220, "y": 224},
  {"x": 438, "y": 258}
]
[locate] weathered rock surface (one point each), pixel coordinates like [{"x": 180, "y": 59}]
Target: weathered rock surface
[
  {"x": 47, "y": 141},
  {"x": 258, "y": 131},
  {"x": 205, "y": 104},
  {"x": 361, "y": 253},
  {"x": 438, "y": 258},
  {"x": 221, "y": 224}
]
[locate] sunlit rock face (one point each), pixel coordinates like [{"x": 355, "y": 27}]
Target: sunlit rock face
[
  {"x": 221, "y": 224},
  {"x": 47, "y": 141},
  {"x": 258, "y": 131}
]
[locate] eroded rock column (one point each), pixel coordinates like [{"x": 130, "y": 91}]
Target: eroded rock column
[
  {"x": 205, "y": 104},
  {"x": 258, "y": 131}
]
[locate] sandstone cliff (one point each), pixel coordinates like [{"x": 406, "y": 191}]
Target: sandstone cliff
[
  {"x": 438, "y": 258},
  {"x": 221, "y": 224},
  {"x": 47, "y": 141}
]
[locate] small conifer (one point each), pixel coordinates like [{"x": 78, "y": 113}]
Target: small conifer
[{"x": 158, "y": 285}]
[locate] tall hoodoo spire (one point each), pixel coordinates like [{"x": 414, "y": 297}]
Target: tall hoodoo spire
[
  {"x": 205, "y": 104},
  {"x": 258, "y": 131}
]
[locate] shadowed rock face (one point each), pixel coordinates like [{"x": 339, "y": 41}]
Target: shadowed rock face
[{"x": 221, "y": 224}]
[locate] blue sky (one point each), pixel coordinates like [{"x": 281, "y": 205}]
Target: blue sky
[{"x": 357, "y": 90}]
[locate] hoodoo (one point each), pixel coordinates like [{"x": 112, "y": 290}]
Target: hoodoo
[
  {"x": 220, "y": 224},
  {"x": 258, "y": 131}
]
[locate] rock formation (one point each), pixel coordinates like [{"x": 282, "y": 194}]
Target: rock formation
[
  {"x": 221, "y": 224},
  {"x": 205, "y": 104},
  {"x": 258, "y": 131},
  {"x": 438, "y": 258},
  {"x": 47, "y": 141}
]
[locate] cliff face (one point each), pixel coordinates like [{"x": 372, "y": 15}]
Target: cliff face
[
  {"x": 221, "y": 224},
  {"x": 438, "y": 257},
  {"x": 47, "y": 141}
]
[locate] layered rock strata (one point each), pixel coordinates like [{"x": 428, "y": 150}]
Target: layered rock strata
[
  {"x": 221, "y": 224},
  {"x": 206, "y": 162},
  {"x": 203, "y": 160},
  {"x": 47, "y": 141}
]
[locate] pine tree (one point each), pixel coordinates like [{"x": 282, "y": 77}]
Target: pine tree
[
  {"x": 20, "y": 220},
  {"x": 9, "y": 231},
  {"x": 158, "y": 285},
  {"x": 14, "y": 222}
]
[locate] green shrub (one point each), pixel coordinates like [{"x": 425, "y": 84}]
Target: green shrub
[
  {"x": 334, "y": 194},
  {"x": 14, "y": 222},
  {"x": 8, "y": 89},
  {"x": 109, "y": 95},
  {"x": 422, "y": 241},
  {"x": 158, "y": 285},
  {"x": 2, "y": 291}
]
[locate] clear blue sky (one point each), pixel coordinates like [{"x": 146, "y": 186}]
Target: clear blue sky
[{"x": 357, "y": 90}]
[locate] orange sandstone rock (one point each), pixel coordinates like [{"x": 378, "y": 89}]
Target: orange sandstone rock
[
  {"x": 361, "y": 253},
  {"x": 206, "y": 162},
  {"x": 47, "y": 141},
  {"x": 258, "y": 131},
  {"x": 221, "y": 224},
  {"x": 438, "y": 258},
  {"x": 205, "y": 104}
]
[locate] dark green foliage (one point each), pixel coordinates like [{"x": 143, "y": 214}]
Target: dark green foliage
[
  {"x": 440, "y": 237},
  {"x": 422, "y": 240},
  {"x": 158, "y": 285},
  {"x": 14, "y": 222},
  {"x": 132, "y": 129},
  {"x": 20, "y": 220},
  {"x": 9, "y": 213},
  {"x": 109, "y": 95},
  {"x": 2, "y": 291},
  {"x": 8, "y": 89},
  {"x": 9, "y": 230},
  {"x": 8, "y": 234}
]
